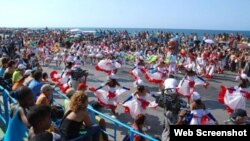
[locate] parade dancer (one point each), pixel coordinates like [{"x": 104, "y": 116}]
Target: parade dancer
[
  {"x": 188, "y": 83},
  {"x": 108, "y": 65},
  {"x": 172, "y": 64},
  {"x": 58, "y": 59},
  {"x": 63, "y": 78},
  {"x": 109, "y": 98},
  {"x": 233, "y": 98},
  {"x": 200, "y": 64},
  {"x": 48, "y": 57},
  {"x": 139, "y": 69},
  {"x": 64, "y": 56},
  {"x": 199, "y": 115},
  {"x": 91, "y": 54},
  {"x": 211, "y": 67},
  {"x": 182, "y": 59},
  {"x": 159, "y": 75},
  {"x": 139, "y": 101},
  {"x": 221, "y": 63},
  {"x": 99, "y": 54}
]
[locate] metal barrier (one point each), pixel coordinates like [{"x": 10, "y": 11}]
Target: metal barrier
[
  {"x": 5, "y": 118},
  {"x": 116, "y": 123},
  {"x": 6, "y": 96}
]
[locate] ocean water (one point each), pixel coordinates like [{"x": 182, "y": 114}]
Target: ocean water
[{"x": 199, "y": 32}]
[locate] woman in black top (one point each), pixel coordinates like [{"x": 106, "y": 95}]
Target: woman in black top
[{"x": 77, "y": 118}]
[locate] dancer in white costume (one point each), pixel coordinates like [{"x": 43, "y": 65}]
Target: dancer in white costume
[
  {"x": 91, "y": 54},
  {"x": 200, "y": 64},
  {"x": 139, "y": 101},
  {"x": 159, "y": 75},
  {"x": 235, "y": 97},
  {"x": 188, "y": 83},
  {"x": 199, "y": 115},
  {"x": 109, "y": 98},
  {"x": 172, "y": 64},
  {"x": 58, "y": 59},
  {"x": 108, "y": 66},
  {"x": 139, "y": 70},
  {"x": 63, "y": 78}
]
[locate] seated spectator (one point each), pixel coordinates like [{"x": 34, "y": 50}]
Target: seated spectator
[
  {"x": 20, "y": 82},
  {"x": 39, "y": 118},
  {"x": 94, "y": 118},
  {"x": 36, "y": 84},
  {"x": 69, "y": 94},
  {"x": 29, "y": 78},
  {"x": 18, "y": 123},
  {"x": 78, "y": 118},
  {"x": 45, "y": 96},
  {"x": 4, "y": 65},
  {"x": 10, "y": 70},
  {"x": 18, "y": 73}
]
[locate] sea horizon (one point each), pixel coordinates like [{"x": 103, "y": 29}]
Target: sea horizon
[{"x": 140, "y": 29}]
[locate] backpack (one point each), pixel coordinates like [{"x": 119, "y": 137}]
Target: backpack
[
  {"x": 169, "y": 102},
  {"x": 77, "y": 73}
]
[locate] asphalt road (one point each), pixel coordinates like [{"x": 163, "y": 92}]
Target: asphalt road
[{"x": 155, "y": 117}]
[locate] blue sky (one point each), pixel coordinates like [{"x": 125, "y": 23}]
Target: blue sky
[{"x": 177, "y": 14}]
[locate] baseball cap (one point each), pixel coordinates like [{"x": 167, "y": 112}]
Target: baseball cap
[
  {"x": 27, "y": 72},
  {"x": 21, "y": 67},
  {"x": 46, "y": 87},
  {"x": 81, "y": 86}
]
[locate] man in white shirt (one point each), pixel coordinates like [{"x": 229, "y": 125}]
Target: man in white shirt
[{"x": 170, "y": 82}]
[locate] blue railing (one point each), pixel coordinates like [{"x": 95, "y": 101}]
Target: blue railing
[
  {"x": 5, "y": 117},
  {"x": 116, "y": 122}
]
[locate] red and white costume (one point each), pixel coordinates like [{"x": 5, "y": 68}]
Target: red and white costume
[
  {"x": 99, "y": 54},
  {"x": 138, "y": 105},
  {"x": 70, "y": 58},
  {"x": 221, "y": 63},
  {"x": 233, "y": 98},
  {"x": 200, "y": 65},
  {"x": 63, "y": 79},
  {"x": 172, "y": 64},
  {"x": 158, "y": 76},
  {"x": 109, "y": 98},
  {"x": 211, "y": 67},
  {"x": 200, "y": 116},
  {"x": 58, "y": 57},
  {"x": 187, "y": 85},
  {"x": 138, "y": 72},
  {"x": 107, "y": 66}
]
